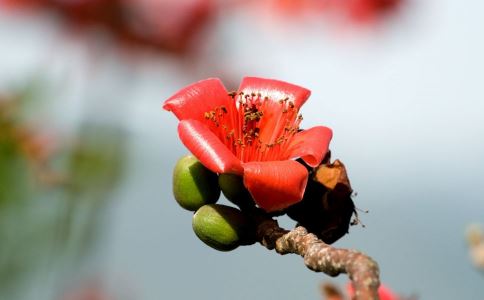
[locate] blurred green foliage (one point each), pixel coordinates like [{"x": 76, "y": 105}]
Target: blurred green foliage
[{"x": 53, "y": 193}]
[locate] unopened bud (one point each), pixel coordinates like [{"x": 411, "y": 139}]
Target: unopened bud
[
  {"x": 234, "y": 190},
  {"x": 193, "y": 184},
  {"x": 222, "y": 227}
]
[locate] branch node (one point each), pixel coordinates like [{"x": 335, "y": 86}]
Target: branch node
[{"x": 318, "y": 256}]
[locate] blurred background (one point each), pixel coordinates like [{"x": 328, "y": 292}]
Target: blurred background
[{"x": 86, "y": 152}]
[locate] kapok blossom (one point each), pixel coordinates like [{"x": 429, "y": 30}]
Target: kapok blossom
[
  {"x": 254, "y": 133},
  {"x": 170, "y": 25},
  {"x": 358, "y": 12}
]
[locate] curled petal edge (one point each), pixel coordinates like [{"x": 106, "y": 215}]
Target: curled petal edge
[
  {"x": 311, "y": 145},
  {"x": 194, "y": 100},
  {"x": 208, "y": 148},
  {"x": 275, "y": 185},
  {"x": 275, "y": 89}
]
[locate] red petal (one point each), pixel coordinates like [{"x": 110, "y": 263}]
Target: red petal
[
  {"x": 275, "y": 185},
  {"x": 208, "y": 148},
  {"x": 194, "y": 100},
  {"x": 311, "y": 145},
  {"x": 275, "y": 90}
]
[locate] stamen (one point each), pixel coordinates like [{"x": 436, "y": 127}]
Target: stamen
[{"x": 255, "y": 128}]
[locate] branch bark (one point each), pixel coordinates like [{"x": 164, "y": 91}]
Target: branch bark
[{"x": 318, "y": 256}]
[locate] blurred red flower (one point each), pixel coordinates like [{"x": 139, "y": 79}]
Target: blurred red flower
[
  {"x": 368, "y": 10},
  {"x": 358, "y": 11},
  {"x": 254, "y": 133},
  {"x": 163, "y": 24},
  {"x": 91, "y": 290},
  {"x": 384, "y": 292},
  {"x": 168, "y": 24}
]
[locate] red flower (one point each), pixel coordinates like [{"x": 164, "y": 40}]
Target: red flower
[
  {"x": 171, "y": 25},
  {"x": 355, "y": 11},
  {"x": 369, "y": 10},
  {"x": 384, "y": 293},
  {"x": 254, "y": 133}
]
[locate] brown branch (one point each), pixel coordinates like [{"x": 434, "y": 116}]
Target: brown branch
[{"x": 321, "y": 257}]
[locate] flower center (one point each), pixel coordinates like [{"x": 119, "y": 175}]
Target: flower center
[{"x": 256, "y": 128}]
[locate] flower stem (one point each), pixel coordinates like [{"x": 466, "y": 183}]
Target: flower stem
[{"x": 318, "y": 256}]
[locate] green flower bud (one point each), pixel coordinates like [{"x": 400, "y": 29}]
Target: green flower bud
[
  {"x": 222, "y": 227},
  {"x": 193, "y": 184},
  {"x": 234, "y": 190}
]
